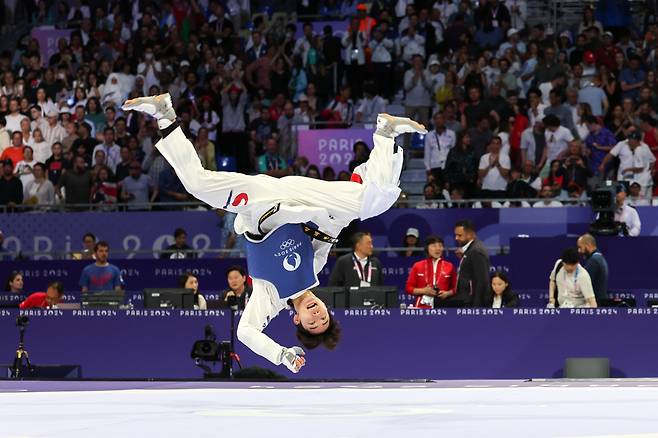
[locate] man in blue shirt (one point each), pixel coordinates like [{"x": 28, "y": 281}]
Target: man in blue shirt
[
  {"x": 595, "y": 265},
  {"x": 101, "y": 276},
  {"x": 632, "y": 78},
  {"x": 599, "y": 142}
]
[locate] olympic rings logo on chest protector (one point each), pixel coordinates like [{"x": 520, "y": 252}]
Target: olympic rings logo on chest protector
[{"x": 287, "y": 243}]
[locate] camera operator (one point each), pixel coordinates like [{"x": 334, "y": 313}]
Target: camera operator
[
  {"x": 636, "y": 161},
  {"x": 48, "y": 299},
  {"x": 433, "y": 277},
  {"x": 627, "y": 215},
  {"x": 238, "y": 291}
]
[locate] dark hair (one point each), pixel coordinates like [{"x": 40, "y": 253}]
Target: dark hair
[
  {"x": 431, "y": 239},
  {"x": 329, "y": 338},
  {"x": 41, "y": 166},
  {"x": 551, "y": 120},
  {"x": 57, "y": 285},
  {"x": 101, "y": 244},
  {"x": 570, "y": 256},
  {"x": 591, "y": 120},
  {"x": 466, "y": 224},
  {"x": 179, "y": 232},
  {"x": 183, "y": 279},
  {"x": 238, "y": 268},
  {"x": 88, "y": 235},
  {"x": 503, "y": 276},
  {"x": 3, "y": 121},
  {"x": 11, "y": 278},
  {"x": 356, "y": 237}
]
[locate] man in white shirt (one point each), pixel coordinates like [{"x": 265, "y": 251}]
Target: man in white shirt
[
  {"x": 626, "y": 214},
  {"x": 546, "y": 194},
  {"x": 494, "y": 170},
  {"x": 111, "y": 149},
  {"x": 412, "y": 44},
  {"x": 571, "y": 283},
  {"x": 303, "y": 44},
  {"x": 382, "y": 48},
  {"x": 14, "y": 117},
  {"x": 558, "y": 139},
  {"x": 437, "y": 145},
  {"x": 53, "y": 132},
  {"x": 271, "y": 213},
  {"x": 636, "y": 161},
  {"x": 533, "y": 143},
  {"x": 370, "y": 106},
  {"x": 417, "y": 86}
]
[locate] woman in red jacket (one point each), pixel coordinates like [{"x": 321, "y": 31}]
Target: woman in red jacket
[{"x": 433, "y": 277}]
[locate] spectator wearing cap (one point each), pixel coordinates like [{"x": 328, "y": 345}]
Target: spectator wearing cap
[
  {"x": 411, "y": 240},
  {"x": 14, "y": 153},
  {"x": 570, "y": 285},
  {"x": 636, "y": 161},
  {"x": 513, "y": 42},
  {"x": 607, "y": 52},
  {"x": 632, "y": 78},
  {"x": 438, "y": 144},
  {"x": 53, "y": 131},
  {"x": 592, "y": 94},
  {"x": 432, "y": 278},
  {"x": 557, "y": 140},
  {"x": 589, "y": 69},
  {"x": 179, "y": 249}
]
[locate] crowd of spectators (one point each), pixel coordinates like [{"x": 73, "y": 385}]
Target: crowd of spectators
[{"x": 516, "y": 110}]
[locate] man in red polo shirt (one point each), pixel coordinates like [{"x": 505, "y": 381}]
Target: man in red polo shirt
[
  {"x": 433, "y": 277},
  {"x": 50, "y": 298}
]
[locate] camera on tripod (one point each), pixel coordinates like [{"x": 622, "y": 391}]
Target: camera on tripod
[
  {"x": 604, "y": 203},
  {"x": 18, "y": 368},
  {"x": 22, "y": 322},
  {"x": 208, "y": 350}
]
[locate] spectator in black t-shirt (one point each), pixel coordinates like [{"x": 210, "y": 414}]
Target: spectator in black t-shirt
[
  {"x": 85, "y": 140},
  {"x": 180, "y": 249},
  {"x": 259, "y": 131},
  {"x": 238, "y": 291},
  {"x": 11, "y": 188},
  {"x": 56, "y": 163},
  {"x": 476, "y": 109},
  {"x": 123, "y": 168}
]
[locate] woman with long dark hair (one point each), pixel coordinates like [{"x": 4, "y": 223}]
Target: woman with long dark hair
[
  {"x": 14, "y": 283},
  {"x": 190, "y": 281},
  {"x": 502, "y": 291}
]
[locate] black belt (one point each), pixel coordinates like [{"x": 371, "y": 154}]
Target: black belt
[{"x": 309, "y": 228}]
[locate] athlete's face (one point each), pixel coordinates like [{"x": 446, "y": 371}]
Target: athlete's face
[{"x": 312, "y": 314}]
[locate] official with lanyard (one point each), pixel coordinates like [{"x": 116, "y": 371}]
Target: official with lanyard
[
  {"x": 358, "y": 268},
  {"x": 570, "y": 284},
  {"x": 434, "y": 279}
]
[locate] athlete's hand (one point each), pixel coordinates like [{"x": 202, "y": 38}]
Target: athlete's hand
[{"x": 293, "y": 359}]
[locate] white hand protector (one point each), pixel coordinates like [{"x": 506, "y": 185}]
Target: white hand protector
[{"x": 293, "y": 358}]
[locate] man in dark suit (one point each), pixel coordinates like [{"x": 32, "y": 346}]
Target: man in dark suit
[
  {"x": 473, "y": 287},
  {"x": 358, "y": 268}
]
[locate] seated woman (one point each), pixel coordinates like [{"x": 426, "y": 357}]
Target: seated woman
[
  {"x": 189, "y": 281},
  {"x": 236, "y": 277},
  {"x": 14, "y": 283},
  {"x": 502, "y": 291},
  {"x": 433, "y": 277}
]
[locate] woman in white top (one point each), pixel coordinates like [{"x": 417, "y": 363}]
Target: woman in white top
[
  {"x": 189, "y": 281},
  {"x": 42, "y": 150},
  {"x": 23, "y": 168},
  {"x": 40, "y": 190}
]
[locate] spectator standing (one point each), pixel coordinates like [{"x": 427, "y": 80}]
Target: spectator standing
[
  {"x": 382, "y": 48},
  {"x": 433, "y": 277},
  {"x": 23, "y": 168},
  {"x": 599, "y": 142},
  {"x": 171, "y": 188},
  {"x": 14, "y": 153},
  {"x": 14, "y": 117},
  {"x": 461, "y": 170},
  {"x": 418, "y": 89},
  {"x": 438, "y": 144},
  {"x": 190, "y": 281},
  {"x": 179, "y": 249},
  {"x": 358, "y": 268},
  {"x": 533, "y": 143},
  {"x": 11, "y": 188},
  {"x": 236, "y": 277},
  {"x": 76, "y": 183},
  {"x": 502, "y": 291},
  {"x": 595, "y": 265},
  {"x": 494, "y": 170},
  {"x": 570, "y": 285},
  {"x": 636, "y": 161},
  {"x": 136, "y": 188},
  {"x": 101, "y": 276},
  {"x": 557, "y": 140},
  {"x": 354, "y": 42},
  {"x": 40, "y": 190},
  {"x": 632, "y": 78},
  {"x": 111, "y": 149},
  {"x": 473, "y": 287},
  {"x": 53, "y": 131}
]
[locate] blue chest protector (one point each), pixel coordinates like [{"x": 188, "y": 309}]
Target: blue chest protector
[{"x": 284, "y": 257}]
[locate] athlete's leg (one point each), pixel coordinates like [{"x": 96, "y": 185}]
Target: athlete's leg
[{"x": 227, "y": 190}]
